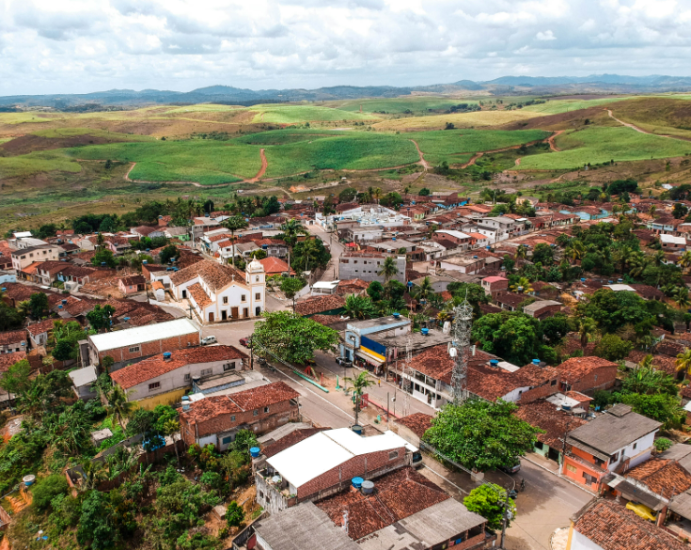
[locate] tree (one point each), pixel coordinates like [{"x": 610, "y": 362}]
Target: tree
[
  {"x": 168, "y": 253},
  {"x": 513, "y": 336},
  {"x": 647, "y": 380},
  {"x": 683, "y": 361},
  {"x": 522, "y": 286},
  {"x": 488, "y": 500},
  {"x": 310, "y": 254},
  {"x": 662, "y": 407},
  {"x": 38, "y": 305},
  {"x": 233, "y": 224},
  {"x": 10, "y": 318},
  {"x": 481, "y": 435},
  {"x": 543, "y": 254},
  {"x": 613, "y": 348},
  {"x": 100, "y": 317},
  {"x": 103, "y": 258},
  {"x": 662, "y": 444},
  {"x": 235, "y": 515},
  {"x": 612, "y": 310},
  {"x": 290, "y": 286},
  {"x": 375, "y": 291},
  {"x": 389, "y": 268},
  {"x": 679, "y": 211},
  {"x": 47, "y": 489},
  {"x": 359, "y": 307},
  {"x": 521, "y": 252},
  {"x": 16, "y": 379},
  {"x": 555, "y": 328},
  {"x": 96, "y": 528},
  {"x": 358, "y": 385},
  {"x": 424, "y": 192},
  {"x": 586, "y": 328},
  {"x": 119, "y": 405},
  {"x": 348, "y": 194},
  {"x": 293, "y": 338}
]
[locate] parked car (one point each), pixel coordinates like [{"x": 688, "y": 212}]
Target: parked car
[
  {"x": 344, "y": 361},
  {"x": 514, "y": 469},
  {"x": 245, "y": 341},
  {"x": 208, "y": 340}
]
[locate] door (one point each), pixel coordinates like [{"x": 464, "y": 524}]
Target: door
[
  {"x": 234, "y": 313},
  {"x": 211, "y": 317},
  {"x": 246, "y": 313},
  {"x": 224, "y": 315},
  {"x": 184, "y": 294}
]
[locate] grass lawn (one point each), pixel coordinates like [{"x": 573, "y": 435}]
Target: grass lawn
[
  {"x": 450, "y": 145},
  {"x": 33, "y": 163},
  {"x": 349, "y": 151},
  {"x": 206, "y": 162},
  {"x": 460, "y": 120},
  {"x": 598, "y": 145},
  {"x": 291, "y": 114}
]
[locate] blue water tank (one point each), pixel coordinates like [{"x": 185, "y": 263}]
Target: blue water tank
[
  {"x": 254, "y": 452},
  {"x": 536, "y": 361},
  {"x": 583, "y": 279},
  {"x": 425, "y": 331},
  {"x": 357, "y": 482},
  {"x": 167, "y": 355},
  {"x": 396, "y": 314},
  {"x": 494, "y": 362},
  {"x": 126, "y": 319},
  {"x": 3, "y": 289},
  {"x": 59, "y": 307},
  {"x": 64, "y": 301},
  {"x": 103, "y": 264}
]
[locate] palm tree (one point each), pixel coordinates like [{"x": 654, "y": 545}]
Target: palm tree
[
  {"x": 523, "y": 285},
  {"x": 585, "y": 327},
  {"x": 94, "y": 473},
  {"x": 310, "y": 251},
  {"x": 358, "y": 307},
  {"x": 652, "y": 210},
  {"x": 358, "y": 384},
  {"x": 563, "y": 240},
  {"x": 119, "y": 405},
  {"x": 681, "y": 297},
  {"x": 24, "y": 308},
  {"x": 637, "y": 264},
  {"x": 424, "y": 290},
  {"x": 388, "y": 268},
  {"x": 521, "y": 252},
  {"x": 659, "y": 258},
  {"x": 171, "y": 427},
  {"x": 623, "y": 257},
  {"x": 685, "y": 259},
  {"x": 683, "y": 361},
  {"x": 376, "y": 193},
  {"x": 233, "y": 224},
  {"x": 575, "y": 251},
  {"x": 292, "y": 229}
]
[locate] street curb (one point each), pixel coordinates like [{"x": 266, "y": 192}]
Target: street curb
[{"x": 558, "y": 476}]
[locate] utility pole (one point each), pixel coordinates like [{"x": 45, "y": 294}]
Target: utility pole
[
  {"x": 506, "y": 516},
  {"x": 251, "y": 343}
]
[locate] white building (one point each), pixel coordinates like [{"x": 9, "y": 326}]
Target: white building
[{"x": 220, "y": 292}]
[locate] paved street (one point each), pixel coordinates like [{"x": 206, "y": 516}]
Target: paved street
[{"x": 331, "y": 239}]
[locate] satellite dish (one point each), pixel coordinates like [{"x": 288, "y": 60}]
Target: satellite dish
[{"x": 453, "y": 352}]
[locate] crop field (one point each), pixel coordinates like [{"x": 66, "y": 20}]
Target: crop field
[
  {"x": 56, "y": 133},
  {"x": 449, "y": 144},
  {"x": 288, "y": 135},
  {"x": 598, "y": 145},
  {"x": 203, "y": 108},
  {"x": 558, "y": 106},
  {"x": 29, "y": 116},
  {"x": 45, "y": 161},
  {"x": 401, "y": 105},
  {"x": 292, "y": 114},
  {"x": 351, "y": 151},
  {"x": 206, "y": 162},
  {"x": 477, "y": 119}
]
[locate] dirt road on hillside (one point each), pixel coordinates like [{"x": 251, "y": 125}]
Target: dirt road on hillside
[
  {"x": 423, "y": 162},
  {"x": 642, "y": 131},
  {"x": 551, "y": 139},
  {"x": 262, "y": 170}
]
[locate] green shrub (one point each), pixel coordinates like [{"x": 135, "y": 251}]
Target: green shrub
[{"x": 47, "y": 489}]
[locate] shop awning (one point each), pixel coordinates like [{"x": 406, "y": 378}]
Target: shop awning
[{"x": 371, "y": 360}]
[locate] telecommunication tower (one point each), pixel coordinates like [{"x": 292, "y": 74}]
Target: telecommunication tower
[
  {"x": 406, "y": 382},
  {"x": 460, "y": 350}
]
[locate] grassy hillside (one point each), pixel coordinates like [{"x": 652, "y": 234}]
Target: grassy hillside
[
  {"x": 477, "y": 119},
  {"x": 292, "y": 114},
  {"x": 402, "y": 105},
  {"x": 659, "y": 115},
  {"x": 557, "y": 106},
  {"x": 34, "y": 163},
  {"x": 599, "y": 145}
]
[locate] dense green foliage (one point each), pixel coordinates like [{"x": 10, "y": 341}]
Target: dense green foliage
[{"x": 489, "y": 500}]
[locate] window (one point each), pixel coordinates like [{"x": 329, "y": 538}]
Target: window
[
  {"x": 243, "y": 298},
  {"x": 634, "y": 446},
  {"x": 615, "y": 457},
  {"x": 229, "y": 366},
  {"x": 188, "y": 377},
  {"x": 596, "y": 378},
  {"x": 255, "y": 412},
  {"x": 589, "y": 479},
  {"x": 553, "y": 383},
  {"x": 258, "y": 296},
  {"x": 232, "y": 418},
  {"x": 266, "y": 409},
  {"x": 205, "y": 372},
  {"x": 154, "y": 386},
  {"x": 257, "y": 278},
  {"x": 135, "y": 349},
  {"x": 571, "y": 468},
  {"x": 393, "y": 455},
  {"x": 227, "y": 440},
  {"x": 225, "y": 299}
]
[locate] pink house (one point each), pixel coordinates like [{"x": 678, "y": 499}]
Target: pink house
[
  {"x": 493, "y": 286},
  {"x": 132, "y": 285}
]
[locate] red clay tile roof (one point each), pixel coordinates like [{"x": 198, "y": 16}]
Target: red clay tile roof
[
  {"x": 201, "y": 298},
  {"x": 612, "y": 527},
  {"x": 290, "y": 440},
  {"x": 418, "y": 423},
  {"x": 12, "y": 337},
  {"x": 326, "y": 320},
  {"x": 660, "y": 362},
  {"x": 543, "y": 414},
  {"x": 9, "y": 359},
  {"x": 576, "y": 368},
  {"x": 248, "y": 400},
  {"x": 398, "y": 495},
  {"x": 273, "y": 265},
  {"x": 155, "y": 366},
  {"x": 663, "y": 477},
  {"x": 215, "y": 275},
  {"x": 42, "y": 326},
  {"x": 133, "y": 280},
  {"x": 318, "y": 304}
]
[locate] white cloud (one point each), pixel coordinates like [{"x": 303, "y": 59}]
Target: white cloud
[
  {"x": 547, "y": 35},
  {"x": 61, "y": 46}
]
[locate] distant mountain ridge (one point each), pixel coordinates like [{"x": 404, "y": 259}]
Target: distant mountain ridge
[{"x": 505, "y": 85}]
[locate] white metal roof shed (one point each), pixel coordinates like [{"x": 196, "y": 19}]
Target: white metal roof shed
[
  {"x": 139, "y": 335},
  {"x": 324, "y": 451}
]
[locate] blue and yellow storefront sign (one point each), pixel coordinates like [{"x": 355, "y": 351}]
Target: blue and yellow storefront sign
[{"x": 374, "y": 349}]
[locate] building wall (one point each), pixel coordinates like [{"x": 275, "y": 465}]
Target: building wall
[
  {"x": 13, "y": 347},
  {"x": 181, "y": 378},
  {"x": 354, "y": 267},
  {"x": 575, "y": 470},
  {"x": 278, "y": 415},
  {"x": 356, "y": 466},
  {"x": 581, "y": 542},
  {"x": 541, "y": 391},
  {"x": 40, "y": 255},
  {"x": 123, "y": 355},
  {"x": 167, "y": 398},
  {"x": 602, "y": 378}
]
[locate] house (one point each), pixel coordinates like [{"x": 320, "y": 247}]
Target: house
[
  {"x": 46, "y": 273},
  {"x": 147, "y": 231},
  {"x": 217, "y": 419},
  {"x": 164, "y": 378},
  {"x": 460, "y": 239},
  {"x": 24, "y": 257},
  {"x": 13, "y": 341},
  {"x": 304, "y": 527},
  {"x": 132, "y": 284},
  {"x": 135, "y": 344},
  {"x": 220, "y": 292},
  {"x": 672, "y": 243},
  {"x": 83, "y": 380},
  {"x": 587, "y": 374},
  {"x": 497, "y": 228},
  {"x": 324, "y": 464},
  {"x": 328, "y": 304},
  {"x": 403, "y": 509},
  {"x": 367, "y": 265},
  {"x": 495, "y": 285},
  {"x": 542, "y": 309},
  {"x": 618, "y": 439},
  {"x": 511, "y": 301},
  {"x": 607, "y": 525},
  {"x": 275, "y": 266},
  {"x": 356, "y": 338},
  {"x": 413, "y": 427},
  {"x": 39, "y": 332}
]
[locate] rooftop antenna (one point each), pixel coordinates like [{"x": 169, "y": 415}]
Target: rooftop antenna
[
  {"x": 345, "y": 521},
  {"x": 462, "y": 325}
]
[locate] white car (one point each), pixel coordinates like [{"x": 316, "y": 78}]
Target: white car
[{"x": 208, "y": 340}]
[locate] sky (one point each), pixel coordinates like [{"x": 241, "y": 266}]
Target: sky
[{"x": 76, "y": 46}]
